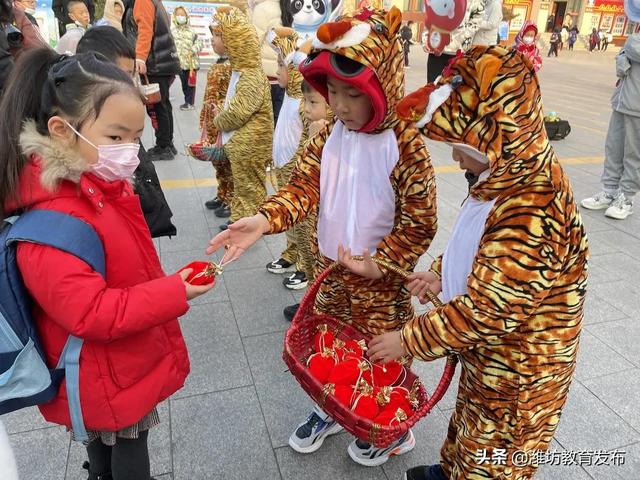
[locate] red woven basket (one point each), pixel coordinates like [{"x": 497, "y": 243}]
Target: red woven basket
[{"x": 298, "y": 346}]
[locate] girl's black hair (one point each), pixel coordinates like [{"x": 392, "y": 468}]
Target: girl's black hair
[
  {"x": 285, "y": 13},
  {"x": 44, "y": 84},
  {"x": 108, "y": 41}
]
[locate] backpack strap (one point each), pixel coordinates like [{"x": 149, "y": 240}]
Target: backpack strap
[{"x": 71, "y": 235}]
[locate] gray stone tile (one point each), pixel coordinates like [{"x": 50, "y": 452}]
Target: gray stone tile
[
  {"x": 596, "y": 359},
  {"x": 217, "y": 357},
  {"x": 629, "y": 469},
  {"x": 159, "y": 449},
  {"x": 597, "y": 310},
  {"x": 256, "y": 257},
  {"x": 617, "y": 267},
  {"x": 284, "y": 403},
  {"x": 25, "y": 420},
  {"x": 330, "y": 462},
  {"x": 258, "y": 299},
  {"x": 430, "y": 374},
  {"x": 193, "y": 234},
  {"x": 622, "y": 295},
  {"x": 589, "y": 424},
  {"x": 620, "y": 392},
  {"x": 221, "y": 436},
  {"x": 41, "y": 454},
  {"x": 603, "y": 242},
  {"x": 622, "y": 336},
  {"x": 174, "y": 261}
]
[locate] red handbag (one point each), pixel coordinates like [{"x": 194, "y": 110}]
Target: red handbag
[{"x": 193, "y": 78}]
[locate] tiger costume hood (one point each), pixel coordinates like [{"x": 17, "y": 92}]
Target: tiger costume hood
[
  {"x": 488, "y": 98},
  {"x": 239, "y": 37},
  {"x": 285, "y": 41},
  {"x": 370, "y": 38}
]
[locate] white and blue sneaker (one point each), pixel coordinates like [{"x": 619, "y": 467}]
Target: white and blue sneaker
[
  {"x": 366, "y": 454},
  {"x": 310, "y": 435}
]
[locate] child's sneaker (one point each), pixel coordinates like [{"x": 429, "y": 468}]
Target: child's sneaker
[
  {"x": 280, "y": 266},
  {"x": 599, "y": 201},
  {"x": 621, "y": 208},
  {"x": 310, "y": 435},
  {"x": 366, "y": 454},
  {"x": 297, "y": 281}
]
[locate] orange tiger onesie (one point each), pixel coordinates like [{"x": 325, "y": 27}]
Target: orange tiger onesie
[
  {"x": 373, "y": 306},
  {"x": 516, "y": 328}
]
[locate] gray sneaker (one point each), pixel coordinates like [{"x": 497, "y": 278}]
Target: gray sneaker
[
  {"x": 310, "y": 435},
  {"x": 366, "y": 454},
  {"x": 599, "y": 201},
  {"x": 621, "y": 208}
]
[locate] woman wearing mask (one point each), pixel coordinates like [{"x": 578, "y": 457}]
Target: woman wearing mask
[
  {"x": 112, "y": 17},
  {"x": 189, "y": 47}
]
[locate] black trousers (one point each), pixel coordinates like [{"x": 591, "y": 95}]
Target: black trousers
[
  {"x": 161, "y": 113},
  {"x": 189, "y": 92},
  {"x": 277, "y": 97},
  {"x": 435, "y": 65},
  {"x": 406, "y": 46},
  {"x": 553, "y": 50},
  {"x": 126, "y": 460}
]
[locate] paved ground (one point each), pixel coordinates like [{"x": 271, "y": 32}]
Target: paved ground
[{"x": 233, "y": 418}]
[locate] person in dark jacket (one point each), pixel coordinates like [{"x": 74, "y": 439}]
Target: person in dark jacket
[
  {"x": 406, "y": 34},
  {"x": 61, "y": 13},
  {"x": 146, "y": 26},
  {"x": 109, "y": 42}
]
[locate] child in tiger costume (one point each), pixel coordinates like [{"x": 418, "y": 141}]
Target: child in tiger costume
[
  {"x": 369, "y": 177},
  {"x": 214, "y": 94},
  {"x": 246, "y": 120},
  {"x": 513, "y": 276},
  {"x": 286, "y": 139}
]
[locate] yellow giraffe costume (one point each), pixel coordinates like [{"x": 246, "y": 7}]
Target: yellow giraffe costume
[
  {"x": 246, "y": 122},
  {"x": 373, "y": 306},
  {"x": 516, "y": 328}
]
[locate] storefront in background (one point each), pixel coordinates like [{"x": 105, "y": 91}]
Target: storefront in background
[{"x": 607, "y": 16}]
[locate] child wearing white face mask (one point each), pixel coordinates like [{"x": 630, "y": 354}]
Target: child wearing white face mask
[
  {"x": 189, "y": 46},
  {"x": 69, "y": 145},
  {"x": 526, "y": 43}
]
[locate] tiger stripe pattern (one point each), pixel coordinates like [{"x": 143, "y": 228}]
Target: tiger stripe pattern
[
  {"x": 249, "y": 113},
  {"x": 517, "y": 329},
  {"x": 372, "y": 306}
]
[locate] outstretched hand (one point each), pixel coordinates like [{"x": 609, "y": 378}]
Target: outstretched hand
[
  {"x": 240, "y": 235},
  {"x": 365, "y": 268},
  {"x": 386, "y": 348}
]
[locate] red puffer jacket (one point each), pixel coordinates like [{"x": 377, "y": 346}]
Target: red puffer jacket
[{"x": 134, "y": 355}]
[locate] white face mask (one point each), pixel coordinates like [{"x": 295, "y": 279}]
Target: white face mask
[
  {"x": 181, "y": 20},
  {"x": 115, "y": 162},
  {"x": 30, "y": 11},
  {"x": 527, "y": 41}
]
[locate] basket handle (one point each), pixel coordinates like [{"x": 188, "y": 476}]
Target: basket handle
[{"x": 309, "y": 300}]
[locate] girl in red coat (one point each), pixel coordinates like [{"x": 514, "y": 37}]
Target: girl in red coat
[{"x": 69, "y": 137}]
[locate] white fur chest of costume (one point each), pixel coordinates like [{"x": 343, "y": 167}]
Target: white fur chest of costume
[
  {"x": 286, "y": 137},
  {"x": 462, "y": 248},
  {"x": 231, "y": 91},
  {"x": 357, "y": 201}
]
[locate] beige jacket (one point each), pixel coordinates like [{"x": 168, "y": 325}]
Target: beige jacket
[{"x": 265, "y": 14}]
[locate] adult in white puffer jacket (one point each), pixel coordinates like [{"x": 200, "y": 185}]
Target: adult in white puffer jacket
[{"x": 487, "y": 33}]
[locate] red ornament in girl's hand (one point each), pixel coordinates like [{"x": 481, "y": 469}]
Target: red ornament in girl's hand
[
  {"x": 321, "y": 365},
  {"x": 203, "y": 273},
  {"x": 323, "y": 339}
]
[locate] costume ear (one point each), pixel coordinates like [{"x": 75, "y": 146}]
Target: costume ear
[
  {"x": 487, "y": 67},
  {"x": 329, "y": 32},
  {"x": 413, "y": 107},
  {"x": 394, "y": 20},
  {"x": 284, "y": 32}
]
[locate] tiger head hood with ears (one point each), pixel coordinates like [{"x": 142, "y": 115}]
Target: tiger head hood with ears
[
  {"x": 239, "y": 37},
  {"x": 489, "y": 99},
  {"x": 285, "y": 41},
  {"x": 370, "y": 38}
]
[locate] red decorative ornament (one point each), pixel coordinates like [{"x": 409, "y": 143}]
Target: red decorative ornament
[
  {"x": 390, "y": 416},
  {"x": 343, "y": 393},
  {"x": 348, "y": 372},
  {"x": 321, "y": 365},
  {"x": 386, "y": 375},
  {"x": 365, "y": 14},
  {"x": 448, "y": 70},
  {"x": 441, "y": 18},
  {"x": 323, "y": 339},
  {"x": 365, "y": 404},
  {"x": 204, "y": 273}
]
